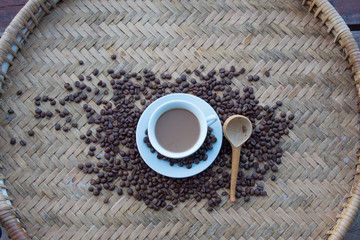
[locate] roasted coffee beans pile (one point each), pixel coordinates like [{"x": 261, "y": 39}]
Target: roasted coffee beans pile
[
  {"x": 195, "y": 158},
  {"x": 119, "y": 166}
]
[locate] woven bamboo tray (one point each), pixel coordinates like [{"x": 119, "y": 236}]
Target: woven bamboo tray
[{"x": 313, "y": 60}]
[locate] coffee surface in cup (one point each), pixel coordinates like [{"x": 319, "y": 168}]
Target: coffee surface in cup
[{"x": 177, "y": 130}]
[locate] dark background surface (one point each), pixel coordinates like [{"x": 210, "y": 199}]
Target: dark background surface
[{"x": 348, "y": 9}]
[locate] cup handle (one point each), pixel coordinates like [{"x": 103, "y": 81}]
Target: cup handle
[{"x": 211, "y": 119}]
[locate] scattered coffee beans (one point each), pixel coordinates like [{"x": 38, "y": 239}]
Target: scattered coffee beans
[{"x": 121, "y": 167}]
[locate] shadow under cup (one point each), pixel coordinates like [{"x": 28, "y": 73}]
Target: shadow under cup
[{"x": 204, "y": 122}]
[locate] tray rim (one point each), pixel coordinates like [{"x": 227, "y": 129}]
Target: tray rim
[{"x": 24, "y": 23}]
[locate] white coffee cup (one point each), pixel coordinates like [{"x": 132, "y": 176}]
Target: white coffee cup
[{"x": 204, "y": 122}]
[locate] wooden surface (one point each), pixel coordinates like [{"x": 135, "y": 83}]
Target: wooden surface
[
  {"x": 8, "y": 10},
  {"x": 349, "y": 10}
]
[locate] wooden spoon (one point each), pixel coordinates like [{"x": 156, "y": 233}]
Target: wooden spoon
[{"x": 237, "y": 129}]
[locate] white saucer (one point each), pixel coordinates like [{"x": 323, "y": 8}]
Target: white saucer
[{"x": 163, "y": 167}]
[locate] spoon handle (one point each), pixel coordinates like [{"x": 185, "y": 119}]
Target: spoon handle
[{"x": 234, "y": 171}]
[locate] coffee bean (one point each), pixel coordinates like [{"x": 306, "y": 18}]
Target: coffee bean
[
  {"x": 57, "y": 127},
  {"x": 96, "y": 192},
  {"x": 22, "y": 143},
  {"x": 256, "y": 78},
  {"x": 250, "y": 78},
  {"x": 169, "y": 207},
  {"x": 202, "y": 66},
  {"x": 68, "y": 87},
  {"x": 10, "y": 111},
  {"x": 65, "y": 129},
  {"x": 113, "y": 56},
  {"x": 119, "y": 191},
  {"x": 81, "y": 77},
  {"x": 31, "y": 133},
  {"x": 12, "y": 141},
  {"x": 49, "y": 114},
  {"x": 291, "y": 116},
  {"x": 19, "y": 92},
  {"x": 273, "y": 178},
  {"x": 274, "y": 168},
  {"x": 267, "y": 73},
  {"x": 96, "y": 72},
  {"x": 81, "y": 62},
  {"x": 88, "y": 133}
]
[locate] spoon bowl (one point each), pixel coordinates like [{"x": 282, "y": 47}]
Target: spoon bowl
[{"x": 237, "y": 129}]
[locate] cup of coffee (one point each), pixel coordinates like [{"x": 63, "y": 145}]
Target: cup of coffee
[{"x": 178, "y": 128}]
